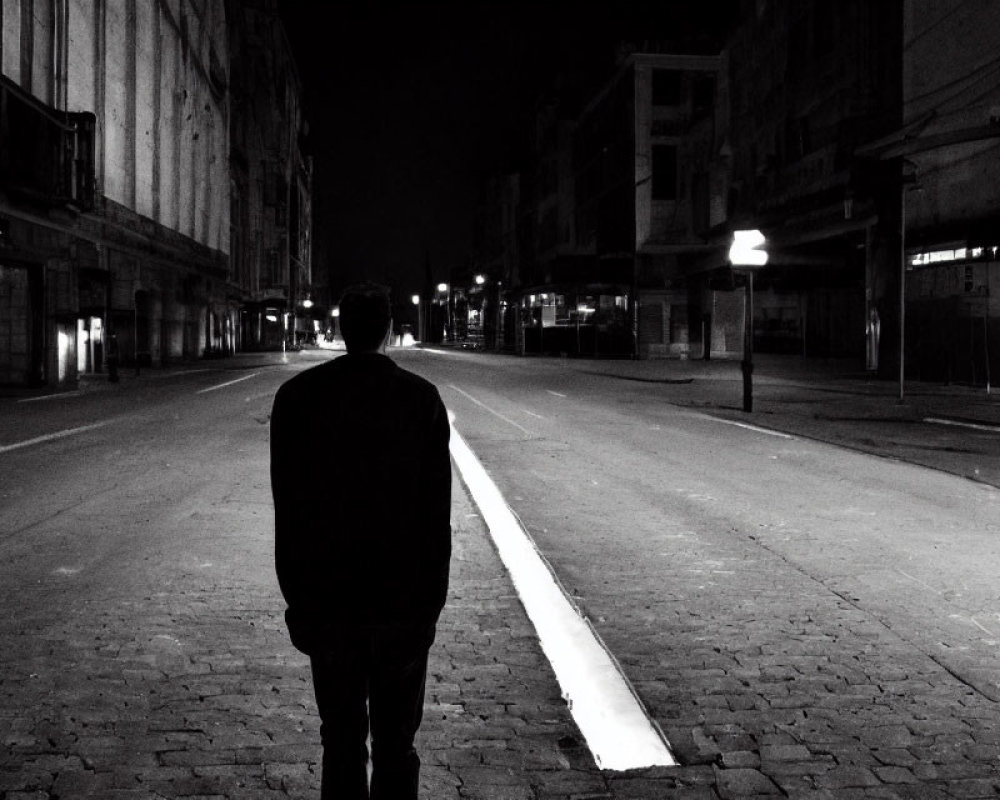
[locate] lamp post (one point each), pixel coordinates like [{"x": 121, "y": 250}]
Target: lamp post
[
  {"x": 444, "y": 300},
  {"x": 908, "y": 182},
  {"x": 748, "y": 255},
  {"x": 420, "y": 318}
]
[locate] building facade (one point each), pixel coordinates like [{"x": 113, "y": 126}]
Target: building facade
[
  {"x": 613, "y": 211},
  {"x": 481, "y": 309},
  {"x": 676, "y": 151},
  {"x": 949, "y": 146},
  {"x": 809, "y": 83},
  {"x": 114, "y": 185},
  {"x": 271, "y": 184}
]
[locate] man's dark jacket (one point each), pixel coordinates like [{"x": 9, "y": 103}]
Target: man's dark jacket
[{"x": 361, "y": 479}]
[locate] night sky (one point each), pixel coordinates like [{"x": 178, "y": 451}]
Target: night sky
[{"x": 411, "y": 103}]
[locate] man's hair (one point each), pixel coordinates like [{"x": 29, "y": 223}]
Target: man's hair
[{"x": 365, "y": 311}]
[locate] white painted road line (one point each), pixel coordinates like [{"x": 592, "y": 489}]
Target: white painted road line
[
  {"x": 746, "y": 425},
  {"x": 497, "y": 414},
  {"x": 607, "y": 711},
  {"x": 50, "y": 436},
  {"x": 180, "y": 372},
  {"x": 978, "y": 426},
  {"x": 532, "y": 414},
  {"x": 228, "y": 383},
  {"x": 557, "y": 394},
  {"x": 49, "y": 396}
]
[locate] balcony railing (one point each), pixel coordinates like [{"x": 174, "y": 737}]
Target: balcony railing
[{"x": 45, "y": 155}]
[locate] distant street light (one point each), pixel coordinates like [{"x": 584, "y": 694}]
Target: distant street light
[
  {"x": 307, "y": 303},
  {"x": 747, "y": 254},
  {"x": 420, "y": 318},
  {"x": 480, "y": 280},
  {"x": 442, "y": 287}
]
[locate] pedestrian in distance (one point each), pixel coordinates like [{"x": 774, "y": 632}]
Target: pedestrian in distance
[{"x": 361, "y": 480}]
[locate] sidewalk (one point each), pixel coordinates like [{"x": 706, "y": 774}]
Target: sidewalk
[{"x": 953, "y": 428}]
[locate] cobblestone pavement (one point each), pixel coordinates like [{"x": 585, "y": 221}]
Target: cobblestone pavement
[
  {"x": 193, "y": 691},
  {"x": 767, "y": 683}
]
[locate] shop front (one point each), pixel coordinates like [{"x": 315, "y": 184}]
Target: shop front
[
  {"x": 590, "y": 321},
  {"x": 952, "y": 330}
]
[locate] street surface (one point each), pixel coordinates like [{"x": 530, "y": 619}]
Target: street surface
[{"x": 803, "y": 598}]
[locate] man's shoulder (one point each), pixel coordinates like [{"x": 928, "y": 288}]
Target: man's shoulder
[
  {"x": 345, "y": 369},
  {"x": 307, "y": 379},
  {"x": 418, "y": 382}
]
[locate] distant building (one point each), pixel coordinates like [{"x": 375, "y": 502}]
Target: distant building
[
  {"x": 613, "y": 212},
  {"x": 480, "y": 303},
  {"x": 271, "y": 185},
  {"x": 946, "y": 156},
  {"x": 114, "y": 186},
  {"x": 808, "y": 83}
]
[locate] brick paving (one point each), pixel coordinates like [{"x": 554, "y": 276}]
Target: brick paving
[
  {"x": 196, "y": 693},
  {"x": 767, "y": 684}
]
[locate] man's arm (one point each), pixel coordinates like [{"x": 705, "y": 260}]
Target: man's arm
[
  {"x": 437, "y": 494},
  {"x": 283, "y": 493}
]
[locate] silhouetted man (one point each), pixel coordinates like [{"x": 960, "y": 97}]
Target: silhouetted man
[{"x": 361, "y": 478}]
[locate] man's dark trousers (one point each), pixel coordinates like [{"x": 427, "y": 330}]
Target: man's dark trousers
[{"x": 387, "y": 665}]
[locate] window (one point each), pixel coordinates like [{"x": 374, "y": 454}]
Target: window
[
  {"x": 664, "y": 172},
  {"x": 703, "y": 95},
  {"x": 666, "y": 87}
]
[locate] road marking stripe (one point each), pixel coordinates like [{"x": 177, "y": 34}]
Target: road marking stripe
[
  {"x": 494, "y": 413},
  {"x": 607, "y": 711},
  {"x": 228, "y": 383},
  {"x": 981, "y": 627},
  {"x": 50, "y": 436},
  {"x": 974, "y": 425},
  {"x": 532, "y": 414},
  {"x": 917, "y": 580},
  {"x": 75, "y": 393},
  {"x": 180, "y": 372},
  {"x": 557, "y": 394},
  {"x": 746, "y": 425}
]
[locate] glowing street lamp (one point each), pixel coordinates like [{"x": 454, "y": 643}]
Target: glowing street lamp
[
  {"x": 746, "y": 251},
  {"x": 420, "y": 317},
  {"x": 747, "y": 254},
  {"x": 480, "y": 280}
]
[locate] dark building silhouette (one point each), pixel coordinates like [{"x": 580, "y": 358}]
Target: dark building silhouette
[
  {"x": 846, "y": 132},
  {"x": 271, "y": 185}
]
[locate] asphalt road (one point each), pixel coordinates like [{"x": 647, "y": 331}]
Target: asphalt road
[{"x": 804, "y": 616}]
